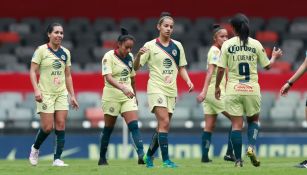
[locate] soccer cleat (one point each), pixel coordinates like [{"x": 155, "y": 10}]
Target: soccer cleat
[
  {"x": 205, "y": 160},
  {"x": 169, "y": 164},
  {"x": 148, "y": 161},
  {"x": 251, "y": 154},
  {"x": 141, "y": 161},
  {"x": 59, "y": 163},
  {"x": 102, "y": 162},
  {"x": 33, "y": 158},
  {"x": 302, "y": 164},
  {"x": 239, "y": 163},
  {"x": 229, "y": 157}
]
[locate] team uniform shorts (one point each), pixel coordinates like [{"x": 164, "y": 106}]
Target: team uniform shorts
[
  {"x": 239, "y": 105},
  {"x": 213, "y": 106},
  {"x": 114, "y": 108},
  {"x": 161, "y": 100},
  {"x": 52, "y": 103}
]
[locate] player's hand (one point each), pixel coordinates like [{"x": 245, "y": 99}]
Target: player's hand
[
  {"x": 127, "y": 91},
  {"x": 38, "y": 96},
  {"x": 201, "y": 97},
  {"x": 74, "y": 103},
  {"x": 190, "y": 85},
  {"x": 142, "y": 51},
  {"x": 284, "y": 90},
  {"x": 277, "y": 52},
  {"x": 218, "y": 93}
]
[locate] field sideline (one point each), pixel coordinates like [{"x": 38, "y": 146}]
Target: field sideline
[{"x": 270, "y": 166}]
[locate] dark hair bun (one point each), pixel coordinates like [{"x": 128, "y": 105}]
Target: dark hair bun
[
  {"x": 165, "y": 14},
  {"x": 124, "y": 31},
  {"x": 216, "y": 26}
]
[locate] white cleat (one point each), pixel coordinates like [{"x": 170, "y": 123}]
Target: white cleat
[
  {"x": 58, "y": 162},
  {"x": 33, "y": 158}
]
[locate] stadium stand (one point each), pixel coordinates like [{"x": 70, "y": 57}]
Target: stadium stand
[{"x": 89, "y": 40}]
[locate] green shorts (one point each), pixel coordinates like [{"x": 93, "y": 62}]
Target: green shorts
[
  {"x": 115, "y": 108},
  {"x": 52, "y": 103},
  {"x": 161, "y": 101},
  {"x": 239, "y": 105},
  {"x": 213, "y": 106}
]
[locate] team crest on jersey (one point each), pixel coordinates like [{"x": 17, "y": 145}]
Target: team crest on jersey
[
  {"x": 111, "y": 109},
  {"x": 160, "y": 100},
  {"x": 63, "y": 57},
  {"x": 167, "y": 63},
  {"x": 44, "y": 107},
  {"x": 174, "y": 52},
  {"x": 130, "y": 63}
]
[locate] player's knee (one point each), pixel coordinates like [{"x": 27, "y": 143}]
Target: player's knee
[
  {"x": 210, "y": 127},
  {"x": 60, "y": 125},
  {"x": 47, "y": 129}
]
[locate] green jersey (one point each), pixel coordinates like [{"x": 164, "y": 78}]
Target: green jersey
[
  {"x": 121, "y": 70},
  {"x": 163, "y": 63},
  {"x": 242, "y": 65},
  {"x": 52, "y": 68},
  {"x": 213, "y": 58}
]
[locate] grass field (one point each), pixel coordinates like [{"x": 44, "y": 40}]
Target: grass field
[{"x": 269, "y": 166}]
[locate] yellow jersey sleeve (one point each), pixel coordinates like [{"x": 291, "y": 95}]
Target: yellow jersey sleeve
[
  {"x": 38, "y": 55},
  {"x": 214, "y": 55},
  {"x": 145, "y": 57},
  {"x": 68, "y": 62},
  {"x": 262, "y": 56},
  {"x": 106, "y": 64}
]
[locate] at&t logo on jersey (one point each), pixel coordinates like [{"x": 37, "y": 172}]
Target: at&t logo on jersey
[{"x": 167, "y": 63}]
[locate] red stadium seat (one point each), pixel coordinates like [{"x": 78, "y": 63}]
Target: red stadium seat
[
  {"x": 281, "y": 67},
  {"x": 94, "y": 115},
  {"x": 9, "y": 37},
  {"x": 110, "y": 44},
  {"x": 268, "y": 51},
  {"x": 267, "y": 36}
]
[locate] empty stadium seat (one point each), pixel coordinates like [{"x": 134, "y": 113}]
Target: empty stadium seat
[
  {"x": 34, "y": 23},
  {"x": 5, "y": 22},
  {"x": 9, "y": 37},
  {"x": 267, "y": 36}
]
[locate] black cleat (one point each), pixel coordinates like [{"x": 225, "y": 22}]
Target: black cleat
[
  {"x": 229, "y": 157},
  {"x": 141, "y": 161},
  {"x": 206, "y": 160},
  {"x": 102, "y": 162},
  {"x": 302, "y": 164}
]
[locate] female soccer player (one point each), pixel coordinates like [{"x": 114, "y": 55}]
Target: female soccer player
[
  {"x": 53, "y": 62},
  {"x": 119, "y": 94},
  {"x": 165, "y": 58},
  {"x": 212, "y": 106},
  {"x": 240, "y": 55},
  {"x": 286, "y": 87}
]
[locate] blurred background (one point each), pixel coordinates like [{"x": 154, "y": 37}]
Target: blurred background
[{"x": 91, "y": 29}]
